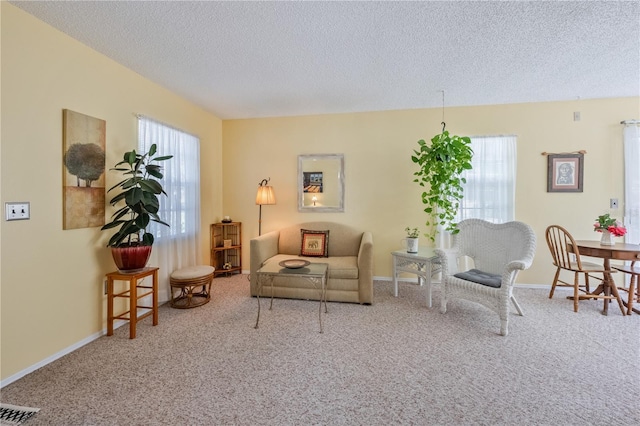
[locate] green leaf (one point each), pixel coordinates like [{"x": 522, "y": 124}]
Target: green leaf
[
  {"x": 121, "y": 213},
  {"x": 117, "y": 198},
  {"x": 152, "y": 209},
  {"x": 130, "y": 157},
  {"x": 150, "y": 200},
  {"x": 142, "y": 221},
  {"x": 147, "y": 239},
  {"x": 133, "y": 196},
  {"x": 161, "y": 222},
  {"x": 151, "y": 185},
  {"x": 129, "y": 183},
  {"x": 111, "y": 225},
  {"x": 154, "y": 171}
]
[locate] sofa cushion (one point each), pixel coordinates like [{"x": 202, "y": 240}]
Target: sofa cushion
[
  {"x": 314, "y": 243},
  {"x": 345, "y": 267}
]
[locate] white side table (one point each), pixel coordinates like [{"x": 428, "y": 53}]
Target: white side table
[{"x": 424, "y": 264}]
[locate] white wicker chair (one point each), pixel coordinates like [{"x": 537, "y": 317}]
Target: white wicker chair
[{"x": 498, "y": 252}]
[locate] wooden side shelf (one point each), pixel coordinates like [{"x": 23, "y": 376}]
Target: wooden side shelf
[
  {"x": 135, "y": 292},
  {"x": 226, "y": 248}
]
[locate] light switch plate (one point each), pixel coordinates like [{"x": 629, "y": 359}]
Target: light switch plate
[{"x": 17, "y": 211}]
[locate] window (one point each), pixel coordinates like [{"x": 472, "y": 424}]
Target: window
[
  {"x": 175, "y": 246},
  {"x": 489, "y": 192},
  {"x": 181, "y": 207},
  {"x": 632, "y": 183}
]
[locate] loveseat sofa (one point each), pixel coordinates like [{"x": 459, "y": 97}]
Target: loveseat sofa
[{"x": 350, "y": 260}]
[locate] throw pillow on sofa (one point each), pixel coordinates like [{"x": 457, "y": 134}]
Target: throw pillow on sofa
[{"x": 314, "y": 243}]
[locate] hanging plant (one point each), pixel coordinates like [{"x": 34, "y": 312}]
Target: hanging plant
[{"x": 441, "y": 165}]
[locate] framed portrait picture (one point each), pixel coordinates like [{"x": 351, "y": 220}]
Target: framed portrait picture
[{"x": 565, "y": 172}]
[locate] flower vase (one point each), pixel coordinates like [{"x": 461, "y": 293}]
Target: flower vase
[{"x": 606, "y": 239}]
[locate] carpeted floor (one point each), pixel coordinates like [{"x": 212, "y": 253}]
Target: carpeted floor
[{"x": 395, "y": 362}]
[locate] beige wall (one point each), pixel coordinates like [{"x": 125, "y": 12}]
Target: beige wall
[
  {"x": 380, "y": 193},
  {"x": 52, "y": 280}
]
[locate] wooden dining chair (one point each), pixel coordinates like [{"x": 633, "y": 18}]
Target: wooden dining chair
[
  {"x": 558, "y": 239},
  {"x": 634, "y": 288}
]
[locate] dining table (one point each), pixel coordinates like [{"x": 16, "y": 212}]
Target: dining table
[{"x": 618, "y": 251}]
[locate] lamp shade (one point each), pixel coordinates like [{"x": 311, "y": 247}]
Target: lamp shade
[{"x": 265, "y": 195}]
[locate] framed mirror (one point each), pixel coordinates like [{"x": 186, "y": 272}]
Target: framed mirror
[{"x": 321, "y": 183}]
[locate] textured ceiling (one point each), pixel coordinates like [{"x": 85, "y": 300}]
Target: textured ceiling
[{"x": 260, "y": 59}]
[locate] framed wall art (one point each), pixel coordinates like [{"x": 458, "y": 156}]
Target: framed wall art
[
  {"x": 565, "y": 172},
  {"x": 83, "y": 167}
]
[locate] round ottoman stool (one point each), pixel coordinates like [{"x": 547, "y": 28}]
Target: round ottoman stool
[{"x": 187, "y": 281}]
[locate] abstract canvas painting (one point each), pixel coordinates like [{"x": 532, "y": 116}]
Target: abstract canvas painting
[{"x": 84, "y": 165}]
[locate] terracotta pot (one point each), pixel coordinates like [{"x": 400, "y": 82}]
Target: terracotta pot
[{"x": 131, "y": 259}]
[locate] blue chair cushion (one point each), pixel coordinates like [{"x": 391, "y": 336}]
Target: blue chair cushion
[{"x": 477, "y": 276}]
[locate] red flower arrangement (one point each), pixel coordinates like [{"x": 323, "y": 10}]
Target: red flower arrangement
[{"x": 607, "y": 223}]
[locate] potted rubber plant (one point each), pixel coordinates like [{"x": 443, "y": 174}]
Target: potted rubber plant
[
  {"x": 442, "y": 163},
  {"x": 138, "y": 204}
]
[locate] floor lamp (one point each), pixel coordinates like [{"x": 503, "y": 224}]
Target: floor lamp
[{"x": 265, "y": 196}]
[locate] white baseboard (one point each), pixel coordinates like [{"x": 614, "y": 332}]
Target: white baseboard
[
  {"x": 58, "y": 355},
  {"x": 50, "y": 359}
]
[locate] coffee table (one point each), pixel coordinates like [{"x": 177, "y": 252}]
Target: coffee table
[{"x": 315, "y": 273}]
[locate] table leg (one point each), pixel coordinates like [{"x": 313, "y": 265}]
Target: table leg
[
  {"x": 109, "y": 306},
  {"x": 323, "y": 297},
  {"x": 260, "y": 284},
  {"x": 598, "y": 290},
  {"x": 614, "y": 290},
  {"x": 320, "y": 306},
  {"x": 632, "y": 295},
  {"x": 133, "y": 307},
  {"x": 155, "y": 297},
  {"x": 427, "y": 280},
  {"x": 395, "y": 276},
  {"x": 258, "y": 289},
  {"x": 324, "y": 291},
  {"x": 271, "y": 304},
  {"x": 610, "y": 289}
]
